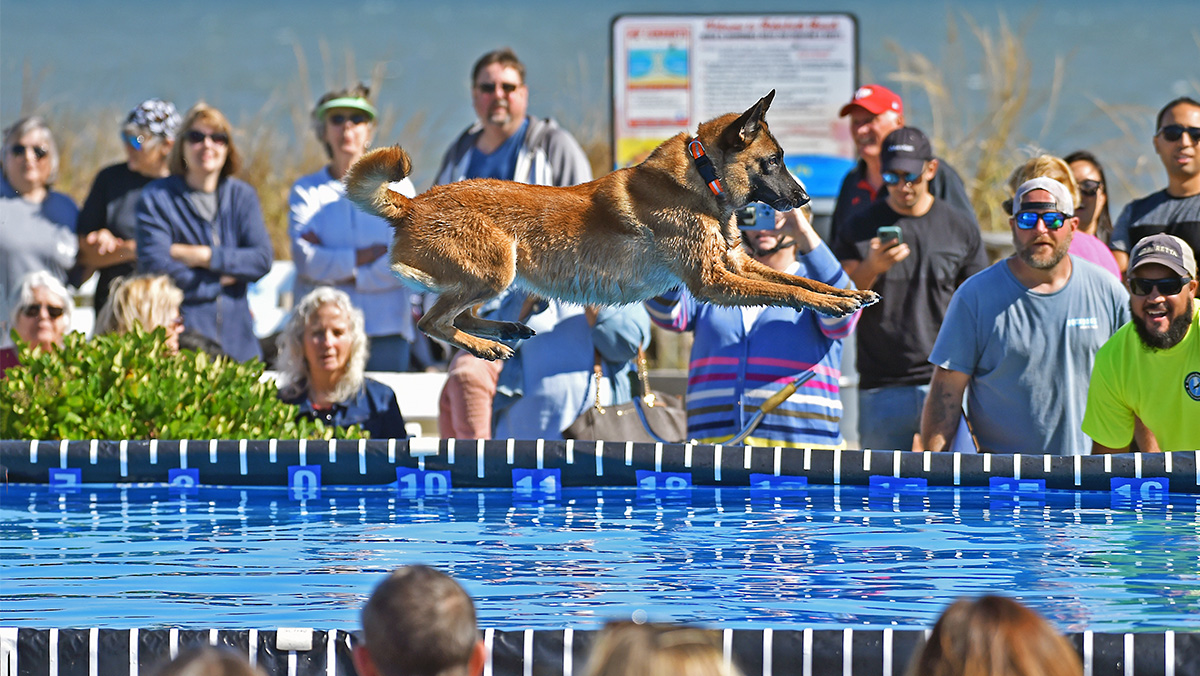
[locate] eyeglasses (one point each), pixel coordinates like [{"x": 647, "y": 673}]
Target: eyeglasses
[
  {"x": 356, "y": 118},
  {"x": 39, "y": 152},
  {"x": 34, "y": 311},
  {"x": 134, "y": 141},
  {"x": 1168, "y": 286},
  {"x": 489, "y": 87},
  {"x": 1028, "y": 220},
  {"x": 197, "y": 137},
  {"x": 892, "y": 178},
  {"x": 1090, "y": 187},
  {"x": 1174, "y": 132}
]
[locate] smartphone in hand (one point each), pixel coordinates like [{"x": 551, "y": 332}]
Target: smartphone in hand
[{"x": 889, "y": 236}]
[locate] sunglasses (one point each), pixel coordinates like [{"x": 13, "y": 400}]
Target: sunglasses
[
  {"x": 1174, "y": 132},
  {"x": 38, "y": 151},
  {"x": 1028, "y": 220},
  {"x": 197, "y": 137},
  {"x": 1168, "y": 286},
  {"x": 892, "y": 178},
  {"x": 356, "y": 118},
  {"x": 489, "y": 87},
  {"x": 1090, "y": 187},
  {"x": 34, "y": 311}
]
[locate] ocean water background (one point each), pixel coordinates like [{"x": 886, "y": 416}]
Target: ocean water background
[{"x": 87, "y": 56}]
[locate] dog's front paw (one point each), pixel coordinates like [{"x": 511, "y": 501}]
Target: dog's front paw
[
  {"x": 867, "y": 297},
  {"x": 515, "y": 331},
  {"x": 492, "y": 351}
]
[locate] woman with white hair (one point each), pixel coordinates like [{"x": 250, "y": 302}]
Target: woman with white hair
[
  {"x": 38, "y": 230},
  {"x": 108, "y": 220},
  {"x": 41, "y": 315},
  {"x": 322, "y": 357}
]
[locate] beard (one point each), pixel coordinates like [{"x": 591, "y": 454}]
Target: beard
[
  {"x": 1168, "y": 339},
  {"x": 1055, "y": 257}
]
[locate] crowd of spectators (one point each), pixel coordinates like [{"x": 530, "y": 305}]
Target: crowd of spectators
[{"x": 1001, "y": 354}]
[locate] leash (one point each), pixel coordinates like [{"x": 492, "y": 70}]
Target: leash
[{"x": 707, "y": 171}]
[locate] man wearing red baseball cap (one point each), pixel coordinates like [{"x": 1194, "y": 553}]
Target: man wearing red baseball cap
[{"x": 875, "y": 112}]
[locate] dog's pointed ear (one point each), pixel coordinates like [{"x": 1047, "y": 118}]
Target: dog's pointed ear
[{"x": 743, "y": 130}]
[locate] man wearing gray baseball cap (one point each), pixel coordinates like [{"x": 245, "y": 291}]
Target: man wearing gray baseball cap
[
  {"x": 1022, "y": 335},
  {"x": 1150, "y": 369}
]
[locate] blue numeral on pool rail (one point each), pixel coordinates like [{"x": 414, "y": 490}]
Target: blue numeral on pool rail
[
  {"x": 898, "y": 485},
  {"x": 1004, "y": 485},
  {"x": 304, "y": 481},
  {"x": 1153, "y": 489},
  {"x": 648, "y": 480},
  {"x": 65, "y": 479},
  {"x": 422, "y": 482},
  {"x": 183, "y": 478},
  {"x": 537, "y": 482},
  {"x": 770, "y": 482}
]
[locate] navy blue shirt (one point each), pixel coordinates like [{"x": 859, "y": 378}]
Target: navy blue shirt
[{"x": 374, "y": 409}]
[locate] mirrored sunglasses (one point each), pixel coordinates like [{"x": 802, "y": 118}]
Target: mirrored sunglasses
[
  {"x": 38, "y": 151},
  {"x": 197, "y": 137},
  {"x": 134, "y": 141},
  {"x": 34, "y": 311},
  {"x": 893, "y": 178},
  {"x": 1028, "y": 220},
  {"x": 489, "y": 87},
  {"x": 1167, "y": 286},
  {"x": 355, "y": 118},
  {"x": 1174, "y": 132},
  {"x": 1090, "y": 187}
]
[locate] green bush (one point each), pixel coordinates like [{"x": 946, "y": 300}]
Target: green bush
[{"x": 129, "y": 387}]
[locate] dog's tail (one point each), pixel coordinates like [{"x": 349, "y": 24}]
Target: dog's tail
[{"x": 368, "y": 183}]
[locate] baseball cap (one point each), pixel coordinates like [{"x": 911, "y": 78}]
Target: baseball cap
[
  {"x": 1060, "y": 196},
  {"x": 905, "y": 150},
  {"x": 1166, "y": 250},
  {"x": 874, "y": 99}
]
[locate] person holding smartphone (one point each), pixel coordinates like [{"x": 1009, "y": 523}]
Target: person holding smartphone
[{"x": 914, "y": 249}]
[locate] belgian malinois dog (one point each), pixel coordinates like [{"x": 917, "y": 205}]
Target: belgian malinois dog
[{"x": 623, "y": 238}]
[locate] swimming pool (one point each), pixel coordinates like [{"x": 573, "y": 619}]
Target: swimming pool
[{"x": 763, "y": 542}]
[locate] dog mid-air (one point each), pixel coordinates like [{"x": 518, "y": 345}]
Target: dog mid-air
[{"x": 623, "y": 238}]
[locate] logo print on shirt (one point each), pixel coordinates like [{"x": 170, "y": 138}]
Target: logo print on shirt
[
  {"x": 1191, "y": 384},
  {"x": 1083, "y": 322}
]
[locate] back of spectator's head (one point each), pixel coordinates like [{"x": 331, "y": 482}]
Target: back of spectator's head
[
  {"x": 209, "y": 661},
  {"x": 630, "y": 649},
  {"x": 1047, "y": 166},
  {"x": 206, "y": 114},
  {"x": 419, "y": 622},
  {"x": 36, "y": 124},
  {"x": 148, "y": 300},
  {"x": 994, "y": 636}
]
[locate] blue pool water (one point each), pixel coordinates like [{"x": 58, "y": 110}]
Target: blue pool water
[{"x": 823, "y": 557}]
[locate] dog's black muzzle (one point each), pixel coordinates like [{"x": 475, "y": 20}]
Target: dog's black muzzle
[{"x": 792, "y": 197}]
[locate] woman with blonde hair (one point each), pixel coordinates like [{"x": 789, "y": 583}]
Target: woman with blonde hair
[
  {"x": 1083, "y": 244},
  {"x": 322, "y": 357},
  {"x": 204, "y": 228},
  {"x": 994, "y": 636},
  {"x": 632, "y": 649},
  {"x": 149, "y": 301}
]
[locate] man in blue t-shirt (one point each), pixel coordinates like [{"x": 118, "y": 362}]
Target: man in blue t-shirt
[{"x": 1022, "y": 335}]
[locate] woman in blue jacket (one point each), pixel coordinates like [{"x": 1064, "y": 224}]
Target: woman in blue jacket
[{"x": 205, "y": 229}]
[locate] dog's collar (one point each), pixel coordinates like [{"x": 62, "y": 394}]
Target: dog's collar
[{"x": 705, "y": 166}]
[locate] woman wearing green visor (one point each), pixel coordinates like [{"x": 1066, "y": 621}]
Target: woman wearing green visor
[{"x": 336, "y": 244}]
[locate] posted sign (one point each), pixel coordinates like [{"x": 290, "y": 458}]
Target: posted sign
[{"x": 671, "y": 72}]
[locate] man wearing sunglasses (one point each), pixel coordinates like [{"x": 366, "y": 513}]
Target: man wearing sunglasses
[
  {"x": 505, "y": 142},
  {"x": 1020, "y": 337},
  {"x": 1150, "y": 369},
  {"x": 874, "y": 112},
  {"x": 1174, "y": 210},
  {"x": 914, "y": 249}
]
